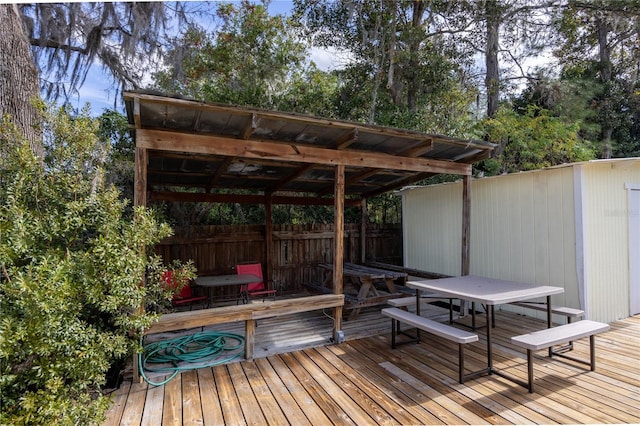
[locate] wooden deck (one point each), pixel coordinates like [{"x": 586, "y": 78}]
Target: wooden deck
[{"x": 363, "y": 381}]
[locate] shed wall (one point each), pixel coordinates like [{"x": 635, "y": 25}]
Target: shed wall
[
  {"x": 606, "y": 236},
  {"x": 432, "y": 227},
  {"x": 522, "y": 229},
  {"x": 565, "y": 226}
]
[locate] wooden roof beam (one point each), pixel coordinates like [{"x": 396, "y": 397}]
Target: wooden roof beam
[
  {"x": 414, "y": 151},
  {"x": 217, "y": 145},
  {"x": 222, "y": 168},
  {"x": 245, "y": 198}
]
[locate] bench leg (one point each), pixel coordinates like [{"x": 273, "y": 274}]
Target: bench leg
[
  {"x": 592, "y": 349},
  {"x": 460, "y": 363},
  {"x": 450, "y": 311},
  {"x": 395, "y": 325},
  {"x": 473, "y": 316},
  {"x": 530, "y": 369}
]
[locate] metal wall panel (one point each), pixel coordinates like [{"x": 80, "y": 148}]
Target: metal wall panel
[
  {"x": 527, "y": 227},
  {"x": 521, "y": 229},
  {"x": 606, "y": 231}
]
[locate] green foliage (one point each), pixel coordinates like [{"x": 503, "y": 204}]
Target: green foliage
[
  {"x": 248, "y": 61},
  {"x": 534, "y": 140},
  {"x": 71, "y": 271},
  {"x": 113, "y": 132}
]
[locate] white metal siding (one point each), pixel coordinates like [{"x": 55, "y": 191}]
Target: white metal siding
[
  {"x": 528, "y": 227},
  {"x": 521, "y": 229},
  {"x": 607, "y": 237},
  {"x": 432, "y": 223}
]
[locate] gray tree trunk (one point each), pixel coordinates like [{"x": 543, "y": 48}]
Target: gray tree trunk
[
  {"x": 606, "y": 72},
  {"x": 18, "y": 77},
  {"x": 492, "y": 78}
]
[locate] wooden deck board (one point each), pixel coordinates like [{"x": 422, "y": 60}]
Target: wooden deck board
[{"x": 364, "y": 381}]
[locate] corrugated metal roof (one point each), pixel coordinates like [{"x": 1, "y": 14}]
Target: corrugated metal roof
[{"x": 202, "y": 147}]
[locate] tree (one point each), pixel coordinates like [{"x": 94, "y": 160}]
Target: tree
[
  {"x": 597, "y": 40},
  {"x": 18, "y": 77},
  {"x": 536, "y": 139},
  {"x": 66, "y": 39},
  {"x": 251, "y": 59},
  {"x": 404, "y": 69},
  {"x": 71, "y": 265},
  {"x": 125, "y": 38}
]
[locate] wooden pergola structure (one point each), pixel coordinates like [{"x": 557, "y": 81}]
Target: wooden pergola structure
[{"x": 188, "y": 150}]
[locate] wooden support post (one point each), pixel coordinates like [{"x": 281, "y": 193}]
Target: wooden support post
[
  {"x": 466, "y": 223},
  {"x": 249, "y": 338},
  {"x": 140, "y": 199},
  {"x": 140, "y": 178},
  {"x": 338, "y": 252},
  {"x": 466, "y": 230},
  {"x": 363, "y": 230},
  {"x": 268, "y": 236}
]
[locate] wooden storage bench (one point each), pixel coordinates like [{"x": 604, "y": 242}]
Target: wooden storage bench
[{"x": 550, "y": 337}]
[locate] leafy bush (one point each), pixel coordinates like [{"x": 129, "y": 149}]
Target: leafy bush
[{"x": 72, "y": 267}]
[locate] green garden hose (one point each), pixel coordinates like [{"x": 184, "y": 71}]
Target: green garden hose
[{"x": 198, "y": 350}]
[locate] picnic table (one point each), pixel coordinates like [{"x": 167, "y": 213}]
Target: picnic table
[
  {"x": 365, "y": 286},
  {"x": 489, "y": 292}
]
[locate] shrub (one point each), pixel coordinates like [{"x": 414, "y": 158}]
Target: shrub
[{"x": 72, "y": 267}]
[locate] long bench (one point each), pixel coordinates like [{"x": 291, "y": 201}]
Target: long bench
[
  {"x": 404, "y": 302},
  {"x": 549, "y": 337},
  {"x": 570, "y": 313},
  {"x": 461, "y": 337}
]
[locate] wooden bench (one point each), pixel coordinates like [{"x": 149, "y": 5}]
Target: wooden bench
[
  {"x": 550, "y": 337},
  {"x": 445, "y": 331}
]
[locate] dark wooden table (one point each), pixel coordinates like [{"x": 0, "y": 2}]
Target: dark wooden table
[
  {"x": 211, "y": 281},
  {"x": 373, "y": 286}
]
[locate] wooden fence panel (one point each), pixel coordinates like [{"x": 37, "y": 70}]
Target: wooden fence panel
[{"x": 297, "y": 250}]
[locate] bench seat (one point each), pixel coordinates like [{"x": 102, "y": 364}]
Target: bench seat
[
  {"x": 461, "y": 337},
  {"x": 411, "y": 300},
  {"x": 559, "y": 310},
  {"x": 404, "y": 302},
  {"x": 550, "y": 337}
]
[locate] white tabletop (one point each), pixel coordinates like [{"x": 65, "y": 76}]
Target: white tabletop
[
  {"x": 222, "y": 280},
  {"x": 489, "y": 291}
]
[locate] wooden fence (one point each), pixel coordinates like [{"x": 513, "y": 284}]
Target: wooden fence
[{"x": 297, "y": 250}]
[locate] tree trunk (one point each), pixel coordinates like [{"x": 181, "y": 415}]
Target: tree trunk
[
  {"x": 606, "y": 72},
  {"x": 413, "y": 84},
  {"x": 18, "y": 77},
  {"x": 492, "y": 78}
]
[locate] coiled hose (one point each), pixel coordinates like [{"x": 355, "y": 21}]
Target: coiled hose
[{"x": 199, "y": 350}]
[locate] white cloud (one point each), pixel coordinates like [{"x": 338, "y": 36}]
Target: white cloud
[{"x": 329, "y": 59}]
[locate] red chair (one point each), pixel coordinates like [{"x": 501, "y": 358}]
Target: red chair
[
  {"x": 185, "y": 296},
  {"x": 253, "y": 289}
]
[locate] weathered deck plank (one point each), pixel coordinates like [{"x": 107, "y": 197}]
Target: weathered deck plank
[{"x": 364, "y": 381}]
